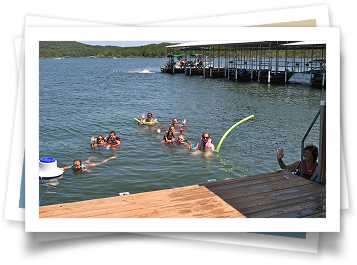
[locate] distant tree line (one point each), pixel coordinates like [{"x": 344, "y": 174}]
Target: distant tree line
[{"x": 55, "y": 49}]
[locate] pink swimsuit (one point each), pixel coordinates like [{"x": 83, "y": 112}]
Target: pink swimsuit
[{"x": 207, "y": 145}]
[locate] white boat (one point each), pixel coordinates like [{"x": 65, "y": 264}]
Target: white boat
[
  {"x": 315, "y": 67},
  {"x": 301, "y": 78}
]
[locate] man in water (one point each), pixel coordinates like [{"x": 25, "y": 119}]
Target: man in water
[{"x": 149, "y": 119}]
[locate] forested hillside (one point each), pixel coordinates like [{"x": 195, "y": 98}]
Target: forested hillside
[{"x": 54, "y": 49}]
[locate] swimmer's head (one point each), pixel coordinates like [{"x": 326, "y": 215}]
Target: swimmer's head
[
  {"x": 313, "y": 150},
  {"x": 112, "y": 135},
  {"x": 170, "y": 135},
  {"x": 100, "y": 139},
  {"x": 77, "y": 165},
  {"x": 205, "y": 136},
  {"x": 149, "y": 118},
  {"x": 181, "y": 139}
]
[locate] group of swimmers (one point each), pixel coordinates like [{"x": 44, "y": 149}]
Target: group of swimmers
[
  {"x": 109, "y": 141},
  {"x": 309, "y": 162},
  {"x": 169, "y": 135}
]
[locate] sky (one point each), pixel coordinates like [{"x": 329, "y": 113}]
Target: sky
[{"x": 124, "y": 43}]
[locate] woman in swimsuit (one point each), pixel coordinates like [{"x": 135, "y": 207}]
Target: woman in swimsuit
[
  {"x": 205, "y": 143},
  {"x": 310, "y": 156},
  {"x": 100, "y": 141}
]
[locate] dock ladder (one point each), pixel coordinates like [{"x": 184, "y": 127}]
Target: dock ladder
[{"x": 320, "y": 173}]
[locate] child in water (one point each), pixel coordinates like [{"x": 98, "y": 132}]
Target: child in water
[
  {"x": 169, "y": 137},
  {"x": 113, "y": 140},
  {"x": 182, "y": 142},
  {"x": 77, "y": 165}
]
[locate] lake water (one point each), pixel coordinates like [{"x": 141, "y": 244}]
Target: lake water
[{"x": 83, "y": 97}]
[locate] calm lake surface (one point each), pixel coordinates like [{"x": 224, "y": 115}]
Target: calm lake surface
[{"x": 83, "y": 97}]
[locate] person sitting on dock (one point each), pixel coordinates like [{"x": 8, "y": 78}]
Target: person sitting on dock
[
  {"x": 77, "y": 165},
  {"x": 309, "y": 163}
]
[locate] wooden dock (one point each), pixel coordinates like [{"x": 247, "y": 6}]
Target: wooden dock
[{"x": 270, "y": 195}]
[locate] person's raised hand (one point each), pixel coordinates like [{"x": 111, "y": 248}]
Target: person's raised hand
[{"x": 279, "y": 153}]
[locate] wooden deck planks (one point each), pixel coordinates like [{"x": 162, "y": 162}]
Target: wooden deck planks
[
  {"x": 270, "y": 195},
  {"x": 273, "y": 195},
  {"x": 187, "y": 202}
]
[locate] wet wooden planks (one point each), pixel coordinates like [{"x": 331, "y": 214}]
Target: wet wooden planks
[
  {"x": 273, "y": 195},
  {"x": 186, "y": 202}
]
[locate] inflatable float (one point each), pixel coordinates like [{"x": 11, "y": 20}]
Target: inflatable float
[{"x": 230, "y": 129}]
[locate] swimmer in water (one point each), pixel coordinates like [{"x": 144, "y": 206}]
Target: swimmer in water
[
  {"x": 148, "y": 119},
  {"x": 175, "y": 122},
  {"x": 113, "y": 139},
  {"x": 78, "y": 166},
  {"x": 100, "y": 141},
  {"x": 205, "y": 143},
  {"x": 182, "y": 142},
  {"x": 171, "y": 129},
  {"x": 169, "y": 137},
  {"x": 309, "y": 162}
]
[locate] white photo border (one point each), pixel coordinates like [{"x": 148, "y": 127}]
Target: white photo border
[{"x": 35, "y": 224}]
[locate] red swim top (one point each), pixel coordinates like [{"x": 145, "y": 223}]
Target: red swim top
[{"x": 308, "y": 172}]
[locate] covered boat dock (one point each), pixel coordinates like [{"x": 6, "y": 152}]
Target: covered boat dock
[{"x": 262, "y": 61}]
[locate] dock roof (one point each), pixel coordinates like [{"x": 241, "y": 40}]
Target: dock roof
[
  {"x": 260, "y": 44},
  {"x": 227, "y": 43},
  {"x": 307, "y": 44}
]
